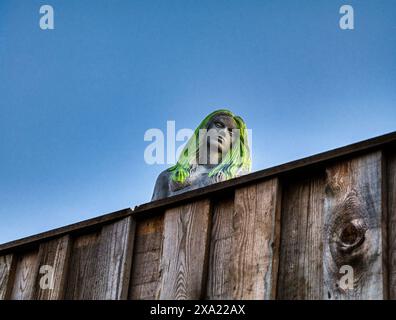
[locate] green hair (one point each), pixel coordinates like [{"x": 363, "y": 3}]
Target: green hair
[{"x": 237, "y": 158}]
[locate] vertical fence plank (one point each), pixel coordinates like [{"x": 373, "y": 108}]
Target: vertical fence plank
[
  {"x": 353, "y": 235},
  {"x": 244, "y": 244},
  {"x": 391, "y": 193},
  {"x": 100, "y": 263},
  {"x": 255, "y": 254},
  {"x": 184, "y": 256},
  {"x": 219, "y": 285},
  {"x": 25, "y": 276},
  {"x": 6, "y": 275},
  {"x": 301, "y": 263},
  {"x": 145, "y": 279},
  {"x": 54, "y": 255},
  {"x": 114, "y": 260},
  {"x": 81, "y": 273}
]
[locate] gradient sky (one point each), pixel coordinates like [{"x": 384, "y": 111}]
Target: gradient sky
[{"x": 76, "y": 101}]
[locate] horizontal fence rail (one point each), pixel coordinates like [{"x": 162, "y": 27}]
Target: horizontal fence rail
[{"x": 295, "y": 231}]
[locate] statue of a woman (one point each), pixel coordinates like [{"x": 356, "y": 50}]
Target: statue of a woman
[{"x": 217, "y": 151}]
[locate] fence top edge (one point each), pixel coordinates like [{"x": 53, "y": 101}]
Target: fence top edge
[
  {"x": 5, "y": 248},
  {"x": 159, "y": 205}
]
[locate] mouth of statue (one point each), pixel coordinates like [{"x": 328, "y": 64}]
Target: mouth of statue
[
  {"x": 216, "y": 141},
  {"x": 217, "y": 145},
  {"x": 219, "y": 140}
]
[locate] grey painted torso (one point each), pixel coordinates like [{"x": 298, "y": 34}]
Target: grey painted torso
[{"x": 198, "y": 178}]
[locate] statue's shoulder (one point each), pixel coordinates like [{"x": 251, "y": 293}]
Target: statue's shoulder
[
  {"x": 164, "y": 176},
  {"x": 242, "y": 172},
  {"x": 161, "y": 189}
]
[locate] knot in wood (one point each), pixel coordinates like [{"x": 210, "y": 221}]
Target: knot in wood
[{"x": 352, "y": 235}]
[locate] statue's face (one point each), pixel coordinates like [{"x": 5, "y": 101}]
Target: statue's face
[{"x": 220, "y": 135}]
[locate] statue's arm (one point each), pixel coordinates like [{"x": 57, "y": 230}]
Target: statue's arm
[{"x": 161, "y": 189}]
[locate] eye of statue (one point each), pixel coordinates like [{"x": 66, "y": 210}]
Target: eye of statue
[{"x": 219, "y": 124}]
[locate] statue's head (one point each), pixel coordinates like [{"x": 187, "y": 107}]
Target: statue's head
[{"x": 220, "y": 143}]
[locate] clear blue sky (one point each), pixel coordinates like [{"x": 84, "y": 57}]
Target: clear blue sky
[{"x": 76, "y": 101}]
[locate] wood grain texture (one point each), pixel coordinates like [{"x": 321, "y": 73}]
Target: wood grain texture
[
  {"x": 55, "y": 254},
  {"x": 391, "y": 175},
  {"x": 244, "y": 244},
  {"x": 6, "y": 275},
  {"x": 114, "y": 260},
  {"x": 100, "y": 263},
  {"x": 82, "y": 269},
  {"x": 353, "y": 228},
  {"x": 219, "y": 284},
  {"x": 25, "y": 276},
  {"x": 146, "y": 275},
  {"x": 185, "y": 250},
  {"x": 301, "y": 263}
]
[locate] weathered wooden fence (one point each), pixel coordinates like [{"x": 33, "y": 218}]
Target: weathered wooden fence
[{"x": 281, "y": 233}]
